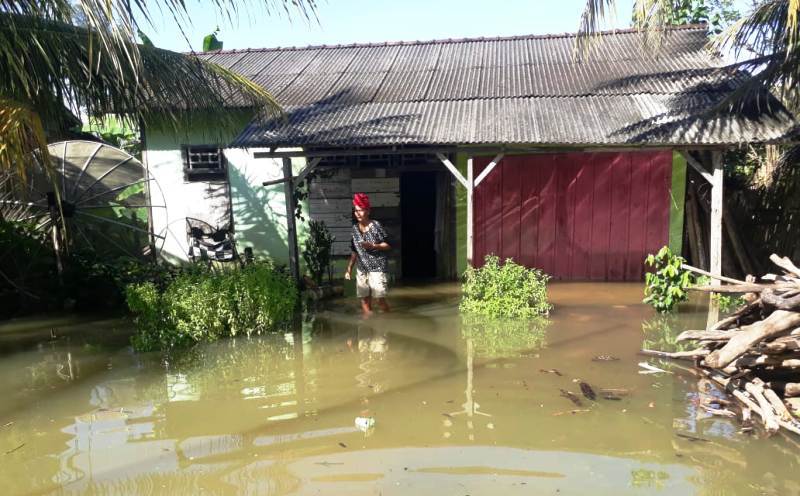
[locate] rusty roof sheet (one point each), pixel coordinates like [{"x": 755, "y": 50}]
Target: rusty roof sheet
[{"x": 520, "y": 90}]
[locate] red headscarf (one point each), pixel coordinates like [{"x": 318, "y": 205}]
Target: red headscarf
[{"x": 361, "y": 200}]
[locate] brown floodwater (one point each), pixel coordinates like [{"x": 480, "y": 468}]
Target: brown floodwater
[{"x": 412, "y": 402}]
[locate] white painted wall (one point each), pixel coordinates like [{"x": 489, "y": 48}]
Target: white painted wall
[{"x": 258, "y": 212}]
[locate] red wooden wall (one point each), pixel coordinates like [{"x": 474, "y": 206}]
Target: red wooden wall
[{"x": 577, "y": 216}]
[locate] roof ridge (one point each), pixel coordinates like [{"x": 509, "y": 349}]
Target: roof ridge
[{"x": 442, "y": 41}]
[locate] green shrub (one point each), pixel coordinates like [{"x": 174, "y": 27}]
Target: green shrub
[
  {"x": 200, "y": 304},
  {"x": 504, "y": 290},
  {"x": 668, "y": 284},
  {"x": 317, "y": 252}
]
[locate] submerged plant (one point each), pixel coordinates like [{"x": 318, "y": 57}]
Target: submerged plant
[
  {"x": 504, "y": 290},
  {"x": 668, "y": 284}
]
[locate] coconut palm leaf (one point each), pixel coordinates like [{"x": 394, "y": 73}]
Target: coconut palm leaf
[
  {"x": 649, "y": 16},
  {"x": 84, "y": 54}
]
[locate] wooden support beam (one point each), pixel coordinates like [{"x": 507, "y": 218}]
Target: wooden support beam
[
  {"x": 488, "y": 169},
  {"x": 470, "y": 190},
  {"x": 291, "y": 226},
  {"x": 453, "y": 170},
  {"x": 698, "y": 166},
  {"x": 715, "y": 244},
  {"x": 308, "y": 168}
]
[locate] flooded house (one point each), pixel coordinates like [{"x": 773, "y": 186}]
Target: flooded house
[{"x": 573, "y": 162}]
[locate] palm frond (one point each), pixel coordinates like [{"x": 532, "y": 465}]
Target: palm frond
[
  {"x": 594, "y": 13},
  {"x": 21, "y": 136},
  {"x": 46, "y": 62}
]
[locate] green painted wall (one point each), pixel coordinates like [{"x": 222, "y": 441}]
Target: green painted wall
[{"x": 677, "y": 202}]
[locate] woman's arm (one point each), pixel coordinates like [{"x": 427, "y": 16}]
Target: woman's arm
[{"x": 350, "y": 265}]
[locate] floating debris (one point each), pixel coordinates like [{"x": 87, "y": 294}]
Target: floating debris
[
  {"x": 551, "y": 371},
  {"x": 649, "y": 369},
  {"x": 342, "y": 445},
  {"x": 587, "y": 391},
  {"x": 571, "y": 412},
  {"x": 605, "y": 358},
  {"x": 14, "y": 449},
  {"x": 692, "y": 438},
  {"x": 571, "y": 396}
]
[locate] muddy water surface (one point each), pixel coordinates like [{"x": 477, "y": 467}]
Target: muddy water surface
[{"x": 413, "y": 402}]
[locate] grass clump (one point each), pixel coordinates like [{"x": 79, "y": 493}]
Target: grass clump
[
  {"x": 504, "y": 290},
  {"x": 200, "y": 304}
]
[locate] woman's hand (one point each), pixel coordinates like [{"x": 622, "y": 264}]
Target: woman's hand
[
  {"x": 347, "y": 274},
  {"x": 367, "y": 245}
]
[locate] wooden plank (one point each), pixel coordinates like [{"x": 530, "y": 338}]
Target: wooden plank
[
  {"x": 377, "y": 200},
  {"x": 529, "y": 215},
  {"x": 601, "y": 216},
  {"x": 376, "y": 185},
  {"x": 488, "y": 170},
  {"x": 563, "y": 227},
  {"x": 698, "y": 167},
  {"x": 547, "y": 216},
  {"x": 643, "y": 164},
  {"x": 334, "y": 219},
  {"x": 464, "y": 182},
  {"x": 584, "y": 200},
  {"x": 510, "y": 179},
  {"x": 323, "y": 190},
  {"x": 620, "y": 216}
]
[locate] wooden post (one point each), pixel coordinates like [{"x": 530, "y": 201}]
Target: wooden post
[
  {"x": 715, "y": 244},
  {"x": 291, "y": 227},
  {"x": 470, "y": 189}
]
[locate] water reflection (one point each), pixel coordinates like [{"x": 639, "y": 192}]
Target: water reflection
[{"x": 458, "y": 407}]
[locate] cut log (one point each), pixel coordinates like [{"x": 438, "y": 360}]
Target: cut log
[
  {"x": 781, "y": 361},
  {"x": 705, "y": 335},
  {"x": 767, "y": 414},
  {"x": 733, "y": 319},
  {"x": 771, "y": 298},
  {"x": 792, "y": 389},
  {"x": 732, "y": 288},
  {"x": 780, "y": 345},
  {"x": 785, "y": 264},
  {"x": 779, "y": 322}
]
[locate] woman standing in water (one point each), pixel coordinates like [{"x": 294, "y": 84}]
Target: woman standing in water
[{"x": 368, "y": 249}]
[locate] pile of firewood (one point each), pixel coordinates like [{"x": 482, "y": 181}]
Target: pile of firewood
[{"x": 754, "y": 353}]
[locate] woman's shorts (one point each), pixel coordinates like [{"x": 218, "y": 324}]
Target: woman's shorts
[{"x": 371, "y": 284}]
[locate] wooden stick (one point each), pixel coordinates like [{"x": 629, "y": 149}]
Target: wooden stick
[
  {"x": 678, "y": 355},
  {"x": 709, "y": 274},
  {"x": 777, "y": 323}
]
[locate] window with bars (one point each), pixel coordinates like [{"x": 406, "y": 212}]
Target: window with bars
[{"x": 203, "y": 162}]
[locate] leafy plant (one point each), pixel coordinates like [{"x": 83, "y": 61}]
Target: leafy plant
[
  {"x": 200, "y": 304},
  {"x": 317, "y": 252},
  {"x": 504, "y": 290},
  {"x": 728, "y": 303},
  {"x": 668, "y": 284}
]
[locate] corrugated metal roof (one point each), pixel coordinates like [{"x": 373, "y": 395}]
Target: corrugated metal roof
[{"x": 520, "y": 90}]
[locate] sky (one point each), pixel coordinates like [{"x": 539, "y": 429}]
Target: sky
[{"x": 361, "y": 21}]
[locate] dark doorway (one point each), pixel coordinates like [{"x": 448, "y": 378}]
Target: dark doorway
[{"x": 418, "y": 214}]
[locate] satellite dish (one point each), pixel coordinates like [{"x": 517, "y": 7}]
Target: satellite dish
[{"x": 106, "y": 196}]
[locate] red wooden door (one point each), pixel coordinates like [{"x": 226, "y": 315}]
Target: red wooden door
[{"x": 577, "y": 216}]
